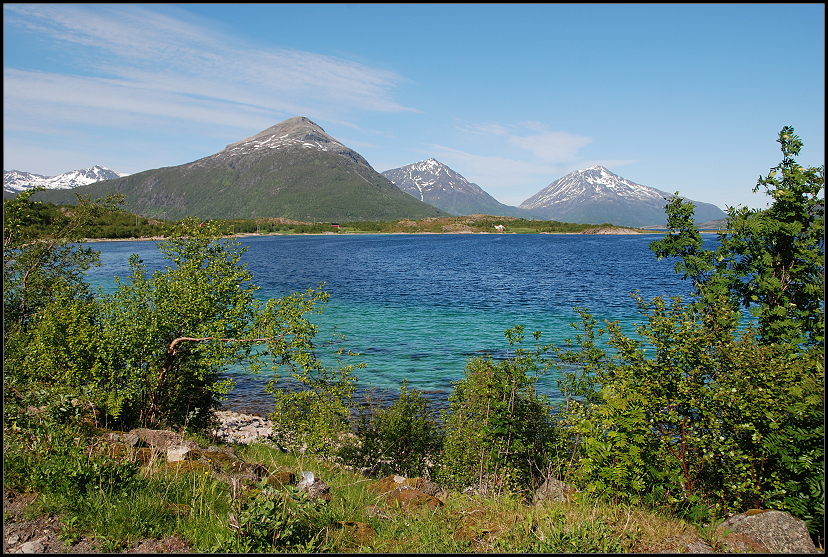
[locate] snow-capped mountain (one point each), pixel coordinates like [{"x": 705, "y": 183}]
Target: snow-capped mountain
[
  {"x": 597, "y": 196},
  {"x": 15, "y": 181},
  {"x": 436, "y": 184}
]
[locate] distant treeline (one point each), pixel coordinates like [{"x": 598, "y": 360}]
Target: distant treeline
[
  {"x": 474, "y": 224},
  {"x": 47, "y": 218}
]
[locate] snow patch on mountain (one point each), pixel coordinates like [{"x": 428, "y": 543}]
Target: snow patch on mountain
[
  {"x": 430, "y": 177},
  {"x": 15, "y": 181},
  {"x": 294, "y": 132},
  {"x": 433, "y": 182},
  {"x": 593, "y": 183},
  {"x": 596, "y": 195}
]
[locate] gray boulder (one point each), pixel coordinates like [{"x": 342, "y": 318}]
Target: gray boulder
[
  {"x": 554, "y": 489},
  {"x": 159, "y": 439},
  {"x": 766, "y": 532}
]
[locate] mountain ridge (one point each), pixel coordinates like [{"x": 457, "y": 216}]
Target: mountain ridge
[
  {"x": 16, "y": 181},
  {"x": 295, "y": 170}
]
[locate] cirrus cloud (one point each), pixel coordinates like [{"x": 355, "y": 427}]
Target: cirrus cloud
[{"x": 138, "y": 61}]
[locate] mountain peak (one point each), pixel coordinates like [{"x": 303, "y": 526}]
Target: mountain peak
[
  {"x": 299, "y": 131},
  {"x": 433, "y": 182},
  {"x": 291, "y": 170},
  {"x": 596, "y": 195}
]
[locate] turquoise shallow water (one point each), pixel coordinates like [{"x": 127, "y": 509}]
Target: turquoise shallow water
[{"x": 416, "y": 307}]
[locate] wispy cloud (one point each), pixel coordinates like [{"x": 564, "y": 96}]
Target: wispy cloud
[
  {"x": 499, "y": 171},
  {"x": 548, "y": 146},
  {"x": 514, "y": 179},
  {"x": 134, "y": 63}
]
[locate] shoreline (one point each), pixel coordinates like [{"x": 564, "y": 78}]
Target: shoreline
[
  {"x": 605, "y": 231},
  {"x": 250, "y": 234}
]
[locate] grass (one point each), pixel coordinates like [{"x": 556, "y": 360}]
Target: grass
[{"x": 191, "y": 503}]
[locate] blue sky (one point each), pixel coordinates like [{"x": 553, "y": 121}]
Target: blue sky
[{"x": 680, "y": 97}]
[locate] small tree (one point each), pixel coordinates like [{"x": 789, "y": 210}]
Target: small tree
[
  {"x": 154, "y": 352},
  {"x": 47, "y": 305},
  {"x": 771, "y": 261},
  {"x": 37, "y": 267},
  {"x": 499, "y": 433},
  {"x": 317, "y": 413},
  {"x": 404, "y": 438}
]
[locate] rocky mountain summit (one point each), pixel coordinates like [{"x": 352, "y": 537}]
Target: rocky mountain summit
[
  {"x": 596, "y": 195},
  {"x": 294, "y": 133},
  {"x": 435, "y": 183},
  {"x": 15, "y": 181}
]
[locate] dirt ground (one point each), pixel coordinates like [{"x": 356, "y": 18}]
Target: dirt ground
[{"x": 40, "y": 535}]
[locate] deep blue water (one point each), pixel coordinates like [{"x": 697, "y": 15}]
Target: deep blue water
[{"x": 416, "y": 307}]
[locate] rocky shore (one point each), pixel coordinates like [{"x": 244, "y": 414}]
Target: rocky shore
[{"x": 243, "y": 429}]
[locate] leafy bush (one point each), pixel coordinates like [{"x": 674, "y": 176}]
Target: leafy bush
[
  {"x": 153, "y": 352},
  {"x": 500, "y": 434},
  {"x": 279, "y": 520},
  {"x": 698, "y": 419},
  {"x": 404, "y": 438},
  {"x": 45, "y": 449},
  {"x": 318, "y": 413}
]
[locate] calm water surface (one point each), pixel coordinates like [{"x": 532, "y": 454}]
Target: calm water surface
[{"x": 416, "y": 307}]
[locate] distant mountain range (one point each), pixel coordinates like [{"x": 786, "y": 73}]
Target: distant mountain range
[
  {"x": 434, "y": 183},
  {"x": 297, "y": 171},
  {"x": 596, "y": 195},
  {"x": 15, "y": 181},
  {"x": 291, "y": 170}
]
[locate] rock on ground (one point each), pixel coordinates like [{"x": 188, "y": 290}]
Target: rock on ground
[{"x": 767, "y": 532}]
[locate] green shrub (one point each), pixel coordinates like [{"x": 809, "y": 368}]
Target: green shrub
[
  {"x": 500, "y": 434},
  {"x": 705, "y": 421},
  {"x": 153, "y": 352},
  {"x": 701, "y": 413},
  {"x": 404, "y": 438},
  {"x": 279, "y": 520},
  {"x": 45, "y": 449},
  {"x": 317, "y": 414}
]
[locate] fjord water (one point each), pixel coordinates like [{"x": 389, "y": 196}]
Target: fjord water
[{"x": 417, "y": 307}]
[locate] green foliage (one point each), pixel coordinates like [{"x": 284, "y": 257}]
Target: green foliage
[
  {"x": 45, "y": 451},
  {"x": 46, "y": 218},
  {"x": 499, "y": 432},
  {"x": 702, "y": 422},
  {"x": 281, "y": 520},
  {"x": 153, "y": 352},
  {"x": 404, "y": 438},
  {"x": 475, "y": 223},
  {"x": 702, "y": 413},
  {"x": 40, "y": 263},
  {"x": 46, "y": 302},
  {"x": 318, "y": 413},
  {"x": 167, "y": 338},
  {"x": 771, "y": 261}
]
